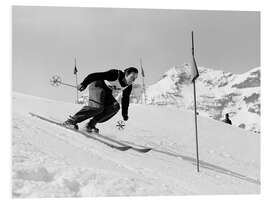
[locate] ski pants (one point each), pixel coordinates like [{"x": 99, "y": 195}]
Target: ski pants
[{"x": 101, "y": 107}]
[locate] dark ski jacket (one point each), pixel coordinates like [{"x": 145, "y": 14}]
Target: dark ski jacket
[{"x": 111, "y": 75}]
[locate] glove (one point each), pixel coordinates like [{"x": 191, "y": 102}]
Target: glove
[
  {"x": 125, "y": 117},
  {"x": 80, "y": 87}
]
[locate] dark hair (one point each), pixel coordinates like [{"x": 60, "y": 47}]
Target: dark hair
[{"x": 131, "y": 70}]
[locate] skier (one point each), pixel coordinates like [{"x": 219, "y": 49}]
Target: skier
[
  {"x": 102, "y": 105},
  {"x": 227, "y": 119}
]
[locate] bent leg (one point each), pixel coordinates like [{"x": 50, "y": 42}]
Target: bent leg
[
  {"x": 95, "y": 105},
  {"x": 86, "y": 112},
  {"x": 108, "y": 113}
]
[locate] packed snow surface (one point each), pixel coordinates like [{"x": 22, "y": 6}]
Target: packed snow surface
[{"x": 51, "y": 161}]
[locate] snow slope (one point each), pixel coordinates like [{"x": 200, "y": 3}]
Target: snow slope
[{"x": 50, "y": 161}]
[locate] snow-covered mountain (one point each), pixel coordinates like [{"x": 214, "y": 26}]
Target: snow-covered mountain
[
  {"x": 217, "y": 92},
  {"x": 51, "y": 161}
]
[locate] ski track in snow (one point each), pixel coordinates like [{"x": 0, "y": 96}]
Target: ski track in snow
[{"x": 50, "y": 161}]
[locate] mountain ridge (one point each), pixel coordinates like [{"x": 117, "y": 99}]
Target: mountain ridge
[{"x": 218, "y": 93}]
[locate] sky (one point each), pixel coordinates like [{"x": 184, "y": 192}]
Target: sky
[{"x": 45, "y": 41}]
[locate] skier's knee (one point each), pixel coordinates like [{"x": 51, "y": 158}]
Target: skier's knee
[
  {"x": 116, "y": 107},
  {"x": 100, "y": 109},
  {"x": 96, "y": 109}
]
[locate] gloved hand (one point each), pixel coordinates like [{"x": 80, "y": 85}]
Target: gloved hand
[
  {"x": 125, "y": 117},
  {"x": 80, "y": 87}
]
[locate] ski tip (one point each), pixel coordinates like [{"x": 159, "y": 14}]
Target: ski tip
[{"x": 145, "y": 150}]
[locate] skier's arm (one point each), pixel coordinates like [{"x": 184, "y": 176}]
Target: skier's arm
[
  {"x": 110, "y": 75},
  {"x": 125, "y": 101}
]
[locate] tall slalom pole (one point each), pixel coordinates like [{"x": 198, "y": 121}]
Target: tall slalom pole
[
  {"x": 196, "y": 126},
  {"x": 195, "y": 105}
]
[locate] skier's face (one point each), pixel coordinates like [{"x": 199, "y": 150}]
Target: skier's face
[{"x": 130, "y": 78}]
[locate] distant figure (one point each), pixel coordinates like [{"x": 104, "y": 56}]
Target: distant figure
[{"x": 227, "y": 119}]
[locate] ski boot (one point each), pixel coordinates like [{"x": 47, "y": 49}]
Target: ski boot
[
  {"x": 70, "y": 123},
  {"x": 92, "y": 129}
]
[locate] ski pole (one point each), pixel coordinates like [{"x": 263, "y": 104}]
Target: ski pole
[
  {"x": 68, "y": 85},
  {"x": 56, "y": 82}
]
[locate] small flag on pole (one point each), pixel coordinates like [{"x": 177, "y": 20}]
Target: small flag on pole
[
  {"x": 194, "y": 70},
  {"x": 143, "y": 75},
  {"x": 142, "y": 72},
  {"x": 75, "y": 68},
  {"x": 141, "y": 68},
  {"x": 75, "y": 73}
]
